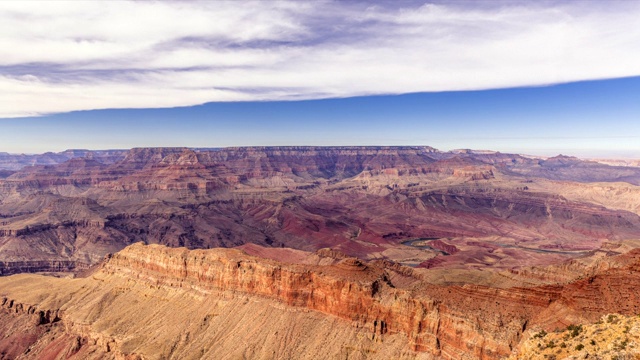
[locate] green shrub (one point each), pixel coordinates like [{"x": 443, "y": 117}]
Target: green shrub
[
  {"x": 579, "y": 347},
  {"x": 623, "y": 344},
  {"x": 540, "y": 334},
  {"x": 574, "y": 330}
]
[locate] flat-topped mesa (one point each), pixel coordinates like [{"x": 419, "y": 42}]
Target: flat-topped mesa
[
  {"x": 145, "y": 156},
  {"x": 336, "y": 149},
  {"x": 210, "y": 170},
  {"x": 319, "y": 162}
]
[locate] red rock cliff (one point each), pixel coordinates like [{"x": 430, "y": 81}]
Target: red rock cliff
[{"x": 453, "y": 322}]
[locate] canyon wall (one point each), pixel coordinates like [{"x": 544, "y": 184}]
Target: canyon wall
[
  {"x": 379, "y": 304},
  {"x": 450, "y": 321},
  {"x": 352, "y": 199}
]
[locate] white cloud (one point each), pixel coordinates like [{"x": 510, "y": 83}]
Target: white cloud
[{"x": 60, "y": 56}]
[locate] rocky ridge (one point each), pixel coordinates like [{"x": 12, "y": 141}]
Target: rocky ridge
[{"x": 381, "y": 301}]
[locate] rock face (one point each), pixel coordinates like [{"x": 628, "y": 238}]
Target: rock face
[
  {"x": 489, "y": 209},
  {"x": 380, "y": 306},
  {"x": 362, "y": 293},
  {"x": 17, "y": 267}
]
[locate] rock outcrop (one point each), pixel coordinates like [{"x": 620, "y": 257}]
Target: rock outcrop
[
  {"x": 453, "y": 321},
  {"x": 40, "y": 266},
  {"x": 380, "y": 300}
]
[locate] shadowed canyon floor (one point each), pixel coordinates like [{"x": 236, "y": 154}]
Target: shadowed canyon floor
[{"x": 352, "y": 252}]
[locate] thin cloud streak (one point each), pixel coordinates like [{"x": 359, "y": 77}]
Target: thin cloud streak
[{"x": 60, "y": 56}]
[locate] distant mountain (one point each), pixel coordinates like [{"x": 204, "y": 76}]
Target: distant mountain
[
  {"x": 573, "y": 169},
  {"x": 13, "y": 162}
]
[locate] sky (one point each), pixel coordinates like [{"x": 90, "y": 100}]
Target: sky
[{"x": 544, "y": 77}]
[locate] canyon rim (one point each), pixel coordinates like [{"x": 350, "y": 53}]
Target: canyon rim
[{"x": 325, "y": 179}]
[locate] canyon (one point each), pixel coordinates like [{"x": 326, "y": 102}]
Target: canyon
[
  {"x": 353, "y": 252},
  {"x": 231, "y": 304}
]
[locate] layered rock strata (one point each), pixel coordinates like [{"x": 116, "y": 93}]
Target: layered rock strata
[
  {"x": 383, "y": 301},
  {"x": 363, "y": 201}
]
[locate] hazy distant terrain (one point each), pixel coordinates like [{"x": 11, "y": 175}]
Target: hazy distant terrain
[{"x": 486, "y": 208}]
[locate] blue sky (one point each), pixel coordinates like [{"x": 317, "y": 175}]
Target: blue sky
[
  {"x": 519, "y": 76},
  {"x": 593, "y": 118}
]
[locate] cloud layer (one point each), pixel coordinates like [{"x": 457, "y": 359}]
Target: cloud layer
[{"x": 58, "y": 56}]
